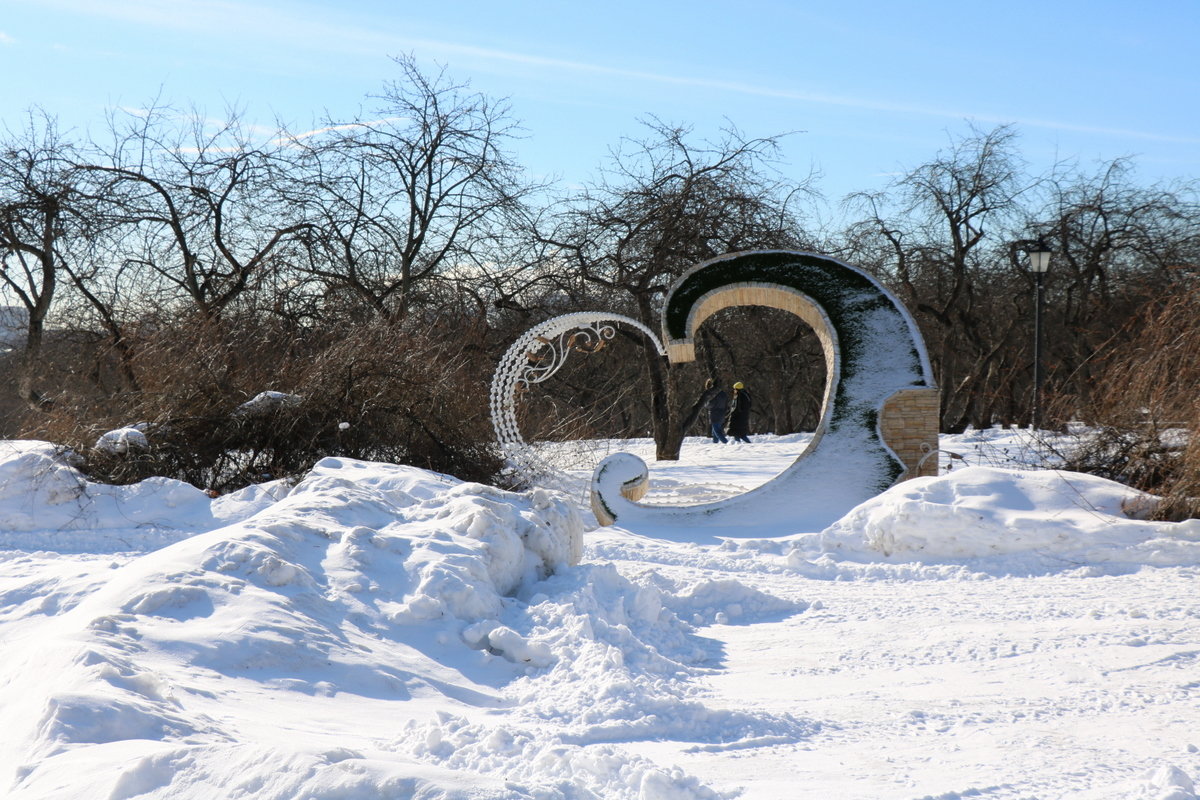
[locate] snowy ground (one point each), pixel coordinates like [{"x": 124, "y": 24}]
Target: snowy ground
[{"x": 382, "y": 632}]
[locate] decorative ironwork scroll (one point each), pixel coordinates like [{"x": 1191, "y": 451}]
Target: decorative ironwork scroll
[{"x": 536, "y": 356}]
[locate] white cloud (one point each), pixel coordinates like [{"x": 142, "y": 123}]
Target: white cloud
[
  {"x": 297, "y": 25},
  {"x": 6, "y": 39}
]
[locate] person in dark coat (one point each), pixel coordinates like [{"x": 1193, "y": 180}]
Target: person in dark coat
[
  {"x": 716, "y": 401},
  {"x": 739, "y": 414},
  {"x": 718, "y": 407}
]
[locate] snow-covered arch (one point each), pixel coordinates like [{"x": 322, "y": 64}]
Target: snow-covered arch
[{"x": 880, "y": 400}]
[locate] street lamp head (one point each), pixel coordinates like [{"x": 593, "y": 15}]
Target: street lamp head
[{"x": 1039, "y": 256}]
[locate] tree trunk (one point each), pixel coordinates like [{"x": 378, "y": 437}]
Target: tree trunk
[
  {"x": 668, "y": 438},
  {"x": 30, "y": 360}
]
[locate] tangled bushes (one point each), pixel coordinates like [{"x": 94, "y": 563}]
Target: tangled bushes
[
  {"x": 401, "y": 393},
  {"x": 1144, "y": 408}
]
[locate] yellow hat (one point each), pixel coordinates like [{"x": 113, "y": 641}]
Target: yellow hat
[{"x": 738, "y": 385}]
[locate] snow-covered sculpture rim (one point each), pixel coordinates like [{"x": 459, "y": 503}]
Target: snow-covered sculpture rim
[
  {"x": 876, "y": 363},
  {"x": 536, "y": 356}
]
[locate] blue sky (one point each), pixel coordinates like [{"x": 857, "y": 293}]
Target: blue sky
[{"x": 871, "y": 88}]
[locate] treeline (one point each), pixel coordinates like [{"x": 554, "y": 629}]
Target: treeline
[{"x": 172, "y": 267}]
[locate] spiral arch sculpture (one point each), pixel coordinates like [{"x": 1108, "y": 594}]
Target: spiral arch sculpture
[{"x": 880, "y": 411}]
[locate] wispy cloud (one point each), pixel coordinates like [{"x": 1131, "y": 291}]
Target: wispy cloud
[
  {"x": 292, "y": 26},
  {"x": 296, "y": 138},
  {"x": 847, "y": 101},
  {"x": 6, "y": 39},
  {"x": 374, "y": 42}
]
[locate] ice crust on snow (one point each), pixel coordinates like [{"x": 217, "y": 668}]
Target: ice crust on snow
[{"x": 378, "y": 631}]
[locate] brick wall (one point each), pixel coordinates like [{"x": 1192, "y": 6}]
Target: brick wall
[{"x": 909, "y": 424}]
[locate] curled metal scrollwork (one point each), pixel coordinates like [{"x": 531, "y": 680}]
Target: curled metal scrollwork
[{"x": 536, "y": 356}]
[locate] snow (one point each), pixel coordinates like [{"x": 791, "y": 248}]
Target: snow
[
  {"x": 382, "y": 631},
  {"x": 122, "y": 440},
  {"x": 267, "y": 402},
  {"x": 982, "y": 512}
]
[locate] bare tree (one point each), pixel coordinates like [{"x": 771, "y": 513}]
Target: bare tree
[
  {"x": 422, "y": 191},
  {"x": 37, "y": 186},
  {"x": 1117, "y": 246},
  {"x": 928, "y": 234},
  {"x": 199, "y": 205},
  {"x": 663, "y": 205}
]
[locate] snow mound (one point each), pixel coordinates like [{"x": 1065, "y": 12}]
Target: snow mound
[
  {"x": 371, "y": 583},
  {"x": 443, "y": 628},
  {"x": 1167, "y": 782},
  {"x": 619, "y": 669},
  {"x": 983, "y": 512},
  {"x": 41, "y": 492},
  {"x": 122, "y": 441},
  {"x": 381, "y": 631}
]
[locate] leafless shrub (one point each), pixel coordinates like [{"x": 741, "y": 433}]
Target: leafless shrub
[
  {"x": 1144, "y": 409},
  {"x": 378, "y": 391}
]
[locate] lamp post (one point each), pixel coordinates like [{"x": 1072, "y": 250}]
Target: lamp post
[{"x": 1039, "y": 262}]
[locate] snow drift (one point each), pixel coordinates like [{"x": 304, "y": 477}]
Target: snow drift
[
  {"x": 386, "y": 606},
  {"x": 984, "y": 512},
  {"x": 382, "y": 631}
]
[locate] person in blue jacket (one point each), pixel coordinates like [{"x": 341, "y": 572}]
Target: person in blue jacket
[{"x": 718, "y": 406}]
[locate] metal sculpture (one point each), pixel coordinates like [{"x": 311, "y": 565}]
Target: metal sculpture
[{"x": 536, "y": 356}]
